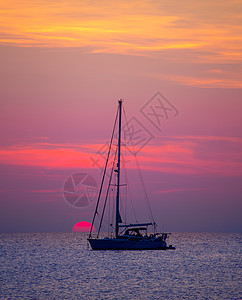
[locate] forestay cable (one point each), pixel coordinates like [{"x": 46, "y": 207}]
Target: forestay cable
[{"x": 104, "y": 173}]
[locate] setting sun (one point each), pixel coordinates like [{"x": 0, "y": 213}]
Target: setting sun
[{"x": 83, "y": 227}]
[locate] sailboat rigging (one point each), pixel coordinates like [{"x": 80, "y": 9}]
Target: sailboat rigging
[{"x": 133, "y": 236}]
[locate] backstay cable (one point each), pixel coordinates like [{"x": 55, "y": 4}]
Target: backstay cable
[{"x": 140, "y": 173}]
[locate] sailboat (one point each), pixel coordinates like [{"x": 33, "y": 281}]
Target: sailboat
[{"x": 132, "y": 236}]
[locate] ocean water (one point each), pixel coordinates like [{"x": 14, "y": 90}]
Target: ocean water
[{"x": 61, "y": 266}]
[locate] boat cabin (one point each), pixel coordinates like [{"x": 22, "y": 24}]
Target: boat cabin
[{"x": 135, "y": 231}]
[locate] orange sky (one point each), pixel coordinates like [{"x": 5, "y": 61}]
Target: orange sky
[
  {"x": 191, "y": 31},
  {"x": 135, "y": 27}
]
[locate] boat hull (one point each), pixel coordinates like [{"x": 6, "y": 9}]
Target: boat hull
[{"x": 124, "y": 244}]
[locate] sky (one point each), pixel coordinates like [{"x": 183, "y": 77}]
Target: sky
[{"x": 64, "y": 65}]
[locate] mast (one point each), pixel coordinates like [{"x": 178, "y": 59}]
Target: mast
[{"x": 118, "y": 173}]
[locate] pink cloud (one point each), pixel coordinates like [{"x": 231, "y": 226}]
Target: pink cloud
[
  {"x": 179, "y": 190},
  {"x": 177, "y": 155},
  {"x": 37, "y": 155}
]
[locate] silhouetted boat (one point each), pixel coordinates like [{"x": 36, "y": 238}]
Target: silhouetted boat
[{"x": 127, "y": 236}]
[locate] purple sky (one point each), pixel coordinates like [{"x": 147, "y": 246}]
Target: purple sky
[{"x": 61, "y": 75}]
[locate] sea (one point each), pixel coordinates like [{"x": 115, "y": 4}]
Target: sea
[{"x": 63, "y": 266}]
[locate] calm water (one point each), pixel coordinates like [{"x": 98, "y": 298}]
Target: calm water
[{"x": 59, "y": 265}]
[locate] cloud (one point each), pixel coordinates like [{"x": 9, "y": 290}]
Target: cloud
[
  {"x": 179, "y": 190},
  {"x": 176, "y": 155},
  {"x": 203, "y": 77},
  {"x": 205, "y": 82},
  {"x": 139, "y": 27},
  {"x": 42, "y": 155}
]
